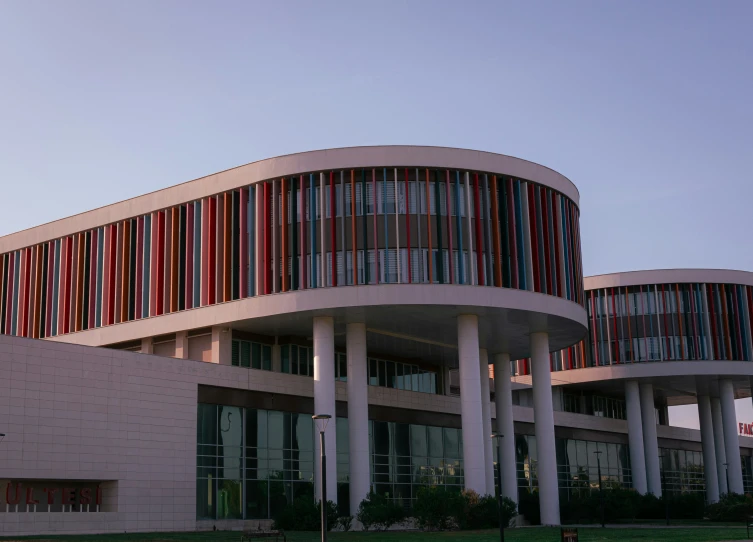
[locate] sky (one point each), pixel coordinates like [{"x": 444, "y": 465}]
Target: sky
[{"x": 645, "y": 106}]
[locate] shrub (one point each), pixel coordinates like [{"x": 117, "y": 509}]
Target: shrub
[
  {"x": 479, "y": 512},
  {"x": 731, "y": 507},
  {"x": 345, "y": 523},
  {"x": 305, "y": 515},
  {"x": 379, "y": 512},
  {"x": 528, "y": 506},
  {"x": 436, "y": 509},
  {"x": 627, "y": 504}
]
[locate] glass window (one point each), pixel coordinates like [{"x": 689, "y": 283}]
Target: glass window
[
  {"x": 390, "y": 374},
  {"x": 418, "y": 443},
  {"x": 373, "y": 373},
  {"x": 266, "y": 359},
  {"x": 255, "y": 356},
  {"x": 435, "y": 442},
  {"x": 294, "y": 359},
  {"x": 285, "y": 358}
]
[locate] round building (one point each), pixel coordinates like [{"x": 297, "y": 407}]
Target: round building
[{"x": 349, "y": 282}]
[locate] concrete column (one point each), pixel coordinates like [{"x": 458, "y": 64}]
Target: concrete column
[
  {"x": 635, "y": 436},
  {"x": 324, "y": 402},
  {"x": 181, "y": 345},
  {"x": 650, "y": 441},
  {"x": 707, "y": 444},
  {"x": 505, "y": 425},
  {"x": 486, "y": 412},
  {"x": 719, "y": 450},
  {"x": 222, "y": 345},
  {"x": 146, "y": 345},
  {"x": 543, "y": 418},
  {"x": 358, "y": 415},
  {"x": 731, "y": 441},
  {"x": 446, "y": 380},
  {"x": 470, "y": 404}
]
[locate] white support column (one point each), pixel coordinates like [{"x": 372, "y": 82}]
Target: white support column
[
  {"x": 707, "y": 445},
  {"x": 731, "y": 441},
  {"x": 358, "y": 415},
  {"x": 505, "y": 425},
  {"x": 719, "y": 449},
  {"x": 635, "y": 436},
  {"x": 543, "y": 418},
  {"x": 222, "y": 345},
  {"x": 146, "y": 345},
  {"x": 486, "y": 412},
  {"x": 181, "y": 345},
  {"x": 650, "y": 441},
  {"x": 446, "y": 380},
  {"x": 470, "y": 404},
  {"x": 324, "y": 401}
]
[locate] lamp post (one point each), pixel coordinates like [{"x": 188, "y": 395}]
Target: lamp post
[
  {"x": 598, "y": 453},
  {"x": 321, "y": 424},
  {"x": 498, "y": 438},
  {"x": 726, "y": 477}
]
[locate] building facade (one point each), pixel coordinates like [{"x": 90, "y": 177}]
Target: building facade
[{"x": 162, "y": 357}]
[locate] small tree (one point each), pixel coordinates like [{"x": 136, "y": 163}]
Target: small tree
[{"x": 379, "y": 512}]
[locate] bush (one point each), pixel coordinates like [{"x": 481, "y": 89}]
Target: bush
[
  {"x": 436, "y": 509},
  {"x": 731, "y": 507},
  {"x": 379, "y": 512},
  {"x": 627, "y": 504},
  {"x": 345, "y": 523},
  {"x": 305, "y": 515},
  {"x": 479, "y": 512},
  {"x": 528, "y": 506}
]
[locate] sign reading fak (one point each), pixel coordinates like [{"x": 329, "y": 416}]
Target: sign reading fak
[
  {"x": 49, "y": 496},
  {"x": 745, "y": 429}
]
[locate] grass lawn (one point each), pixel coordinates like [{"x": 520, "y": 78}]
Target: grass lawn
[{"x": 531, "y": 534}]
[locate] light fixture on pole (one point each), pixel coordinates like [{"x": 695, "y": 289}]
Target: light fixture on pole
[
  {"x": 498, "y": 438},
  {"x": 598, "y": 453},
  {"x": 321, "y": 424}
]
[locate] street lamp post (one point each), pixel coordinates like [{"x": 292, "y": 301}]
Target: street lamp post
[
  {"x": 726, "y": 476},
  {"x": 498, "y": 438},
  {"x": 321, "y": 424},
  {"x": 598, "y": 453}
]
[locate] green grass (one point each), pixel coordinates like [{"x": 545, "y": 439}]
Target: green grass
[{"x": 531, "y": 534}]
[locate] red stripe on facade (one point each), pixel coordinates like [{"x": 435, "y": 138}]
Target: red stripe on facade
[
  {"x": 243, "y": 224},
  {"x": 212, "y": 249},
  {"x": 267, "y": 238},
  {"x": 68, "y": 285},
  {"x": 477, "y": 224},
  {"x": 188, "y": 286}
]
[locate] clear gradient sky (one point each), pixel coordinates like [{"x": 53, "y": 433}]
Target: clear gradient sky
[{"x": 646, "y": 106}]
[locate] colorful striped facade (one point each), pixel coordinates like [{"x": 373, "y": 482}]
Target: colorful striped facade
[
  {"x": 322, "y": 229},
  {"x": 662, "y": 322}
]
